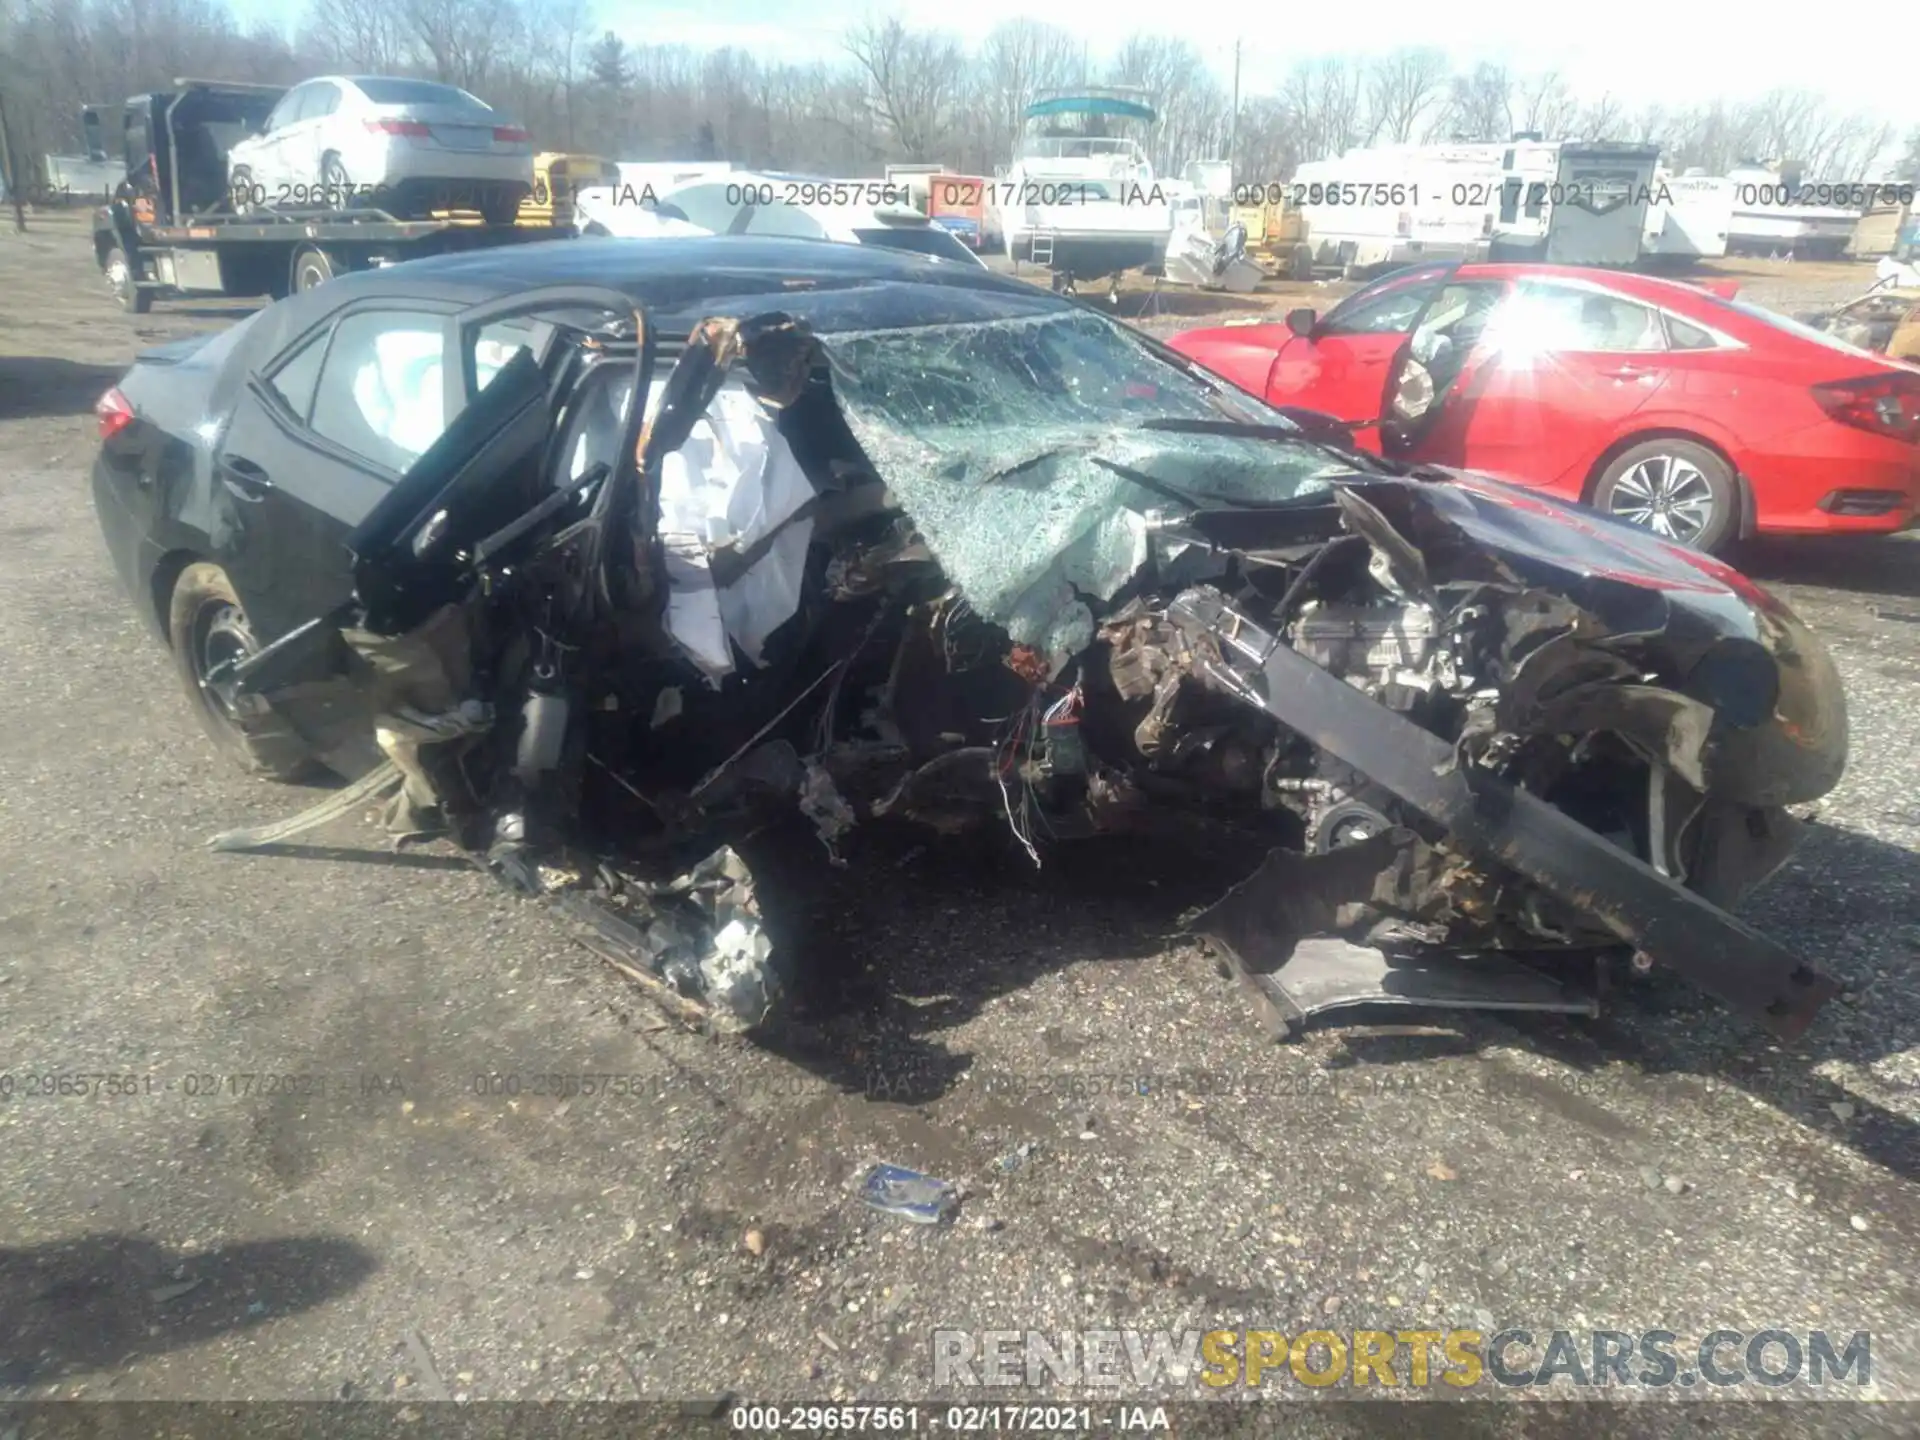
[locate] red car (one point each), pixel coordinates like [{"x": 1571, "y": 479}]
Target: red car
[{"x": 1688, "y": 412}]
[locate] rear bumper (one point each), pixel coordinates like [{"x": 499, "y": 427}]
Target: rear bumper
[
  {"x": 1830, "y": 480},
  {"x": 131, "y": 550}
]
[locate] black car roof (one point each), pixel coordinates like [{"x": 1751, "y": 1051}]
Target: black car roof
[{"x": 681, "y": 280}]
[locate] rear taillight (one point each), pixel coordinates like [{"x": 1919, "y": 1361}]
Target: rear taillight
[
  {"x": 114, "y": 412},
  {"x": 399, "y": 127},
  {"x": 1885, "y": 404},
  {"x": 511, "y": 134}
]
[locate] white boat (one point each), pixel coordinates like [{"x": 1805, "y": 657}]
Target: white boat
[
  {"x": 1767, "y": 220},
  {"x": 1081, "y": 198}
]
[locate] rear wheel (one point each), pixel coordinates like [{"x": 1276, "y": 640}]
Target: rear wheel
[
  {"x": 125, "y": 286},
  {"x": 312, "y": 268},
  {"x": 1678, "y": 489},
  {"x": 335, "y": 188},
  {"x": 500, "y": 207},
  {"x": 208, "y": 628}
]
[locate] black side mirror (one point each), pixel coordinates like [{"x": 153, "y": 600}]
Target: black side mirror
[{"x": 1301, "y": 321}]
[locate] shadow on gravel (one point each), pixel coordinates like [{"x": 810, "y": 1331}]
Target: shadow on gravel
[
  {"x": 916, "y": 939},
  {"x": 36, "y": 386},
  {"x": 97, "y": 1301},
  {"x": 899, "y": 948},
  {"x": 1863, "y": 564},
  {"x": 1847, "y": 904}
]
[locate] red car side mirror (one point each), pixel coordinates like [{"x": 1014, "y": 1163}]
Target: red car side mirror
[{"x": 1301, "y": 321}]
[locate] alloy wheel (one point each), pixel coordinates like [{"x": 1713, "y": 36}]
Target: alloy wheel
[{"x": 1666, "y": 494}]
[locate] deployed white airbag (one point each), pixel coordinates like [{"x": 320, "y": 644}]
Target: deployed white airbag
[{"x": 734, "y": 483}]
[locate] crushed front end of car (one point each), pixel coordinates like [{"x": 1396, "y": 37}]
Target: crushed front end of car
[{"x": 1013, "y": 566}]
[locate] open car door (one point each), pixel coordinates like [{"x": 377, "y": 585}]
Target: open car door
[
  {"x": 459, "y": 509},
  {"x": 1427, "y": 365}
]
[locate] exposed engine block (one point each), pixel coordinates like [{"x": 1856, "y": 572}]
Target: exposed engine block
[{"x": 1370, "y": 646}]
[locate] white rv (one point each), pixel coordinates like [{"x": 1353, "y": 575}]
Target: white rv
[
  {"x": 1692, "y": 219},
  {"x": 1395, "y": 205}
]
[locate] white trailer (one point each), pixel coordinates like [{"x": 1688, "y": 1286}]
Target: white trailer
[
  {"x": 1574, "y": 203},
  {"x": 1690, "y": 219}
]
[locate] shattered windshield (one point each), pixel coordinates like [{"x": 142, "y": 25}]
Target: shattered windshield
[{"x": 992, "y": 434}]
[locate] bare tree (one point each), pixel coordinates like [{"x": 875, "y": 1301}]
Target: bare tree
[
  {"x": 1907, "y": 169},
  {"x": 1403, "y": 87},
  {"x": 1544, "y": 106},
  {"x": 1480, "y": 104},
  {"x": 1603, "y": 118},
  {"x": 463, "y": 39},
  {"x": 365, "y": 36},
  {"x": 1326, "y": 106},
  {"x": 1192, "y": 104},
  {"x": 903, "y": 93},
  {"x": 913, "y": 82},
  {"x": 1019, "y": 58}
]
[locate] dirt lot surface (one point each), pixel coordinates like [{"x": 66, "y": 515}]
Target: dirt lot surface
[{"x": 380, "y": 1225}]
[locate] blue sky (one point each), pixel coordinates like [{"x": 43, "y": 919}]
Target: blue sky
[{"x": 1674, "y": 53}]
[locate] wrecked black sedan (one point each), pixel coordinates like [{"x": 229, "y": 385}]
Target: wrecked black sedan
[{"x": 593, "y": 555}]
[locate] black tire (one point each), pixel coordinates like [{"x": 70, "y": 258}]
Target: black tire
[
  {"x": 207, "y": 625},
  {"x": 312, "y": 268},
  {"x": 1677, "y": 489},
  {"x": 240, "y": 191},
  {"x": 336, "y": 188},
  {"x": 120, "y": 279},
  {"x": 500, "y": 209}
]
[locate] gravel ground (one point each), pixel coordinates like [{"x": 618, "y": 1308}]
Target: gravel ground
[{"x": 379, "y": 1226}]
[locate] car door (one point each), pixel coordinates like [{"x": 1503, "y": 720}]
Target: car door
[
  {"x": 262, "y": 155},
  {"x": 1340, "y": 365},
  {"x": 317, "y": 438},
  {"x": 306, "y": 140},
  {"x": 1539, "y": 381},
  {"x": 392, "y": 545},
  {"x": 317, "y": 129}
]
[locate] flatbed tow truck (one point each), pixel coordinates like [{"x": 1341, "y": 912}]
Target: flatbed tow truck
[{"x": 171, "y": 227}]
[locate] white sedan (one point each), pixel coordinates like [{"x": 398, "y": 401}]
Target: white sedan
[
  {"x": 409, "y": 147},
  {"x": 734, "y": 204}
]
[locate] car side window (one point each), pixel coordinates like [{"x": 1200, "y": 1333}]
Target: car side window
[
  {"x": 288, "y": 110},
  {"x": 1562, "y": 317},
  {"x": 1682, "y": 336},
  {"x": 496, "y": 345},
  {"x": 324, "y": 101},
  {"x": 1391, "y": 312},
  {"x": 293, "y": 380},
  {"x": 380, "y": 393}
]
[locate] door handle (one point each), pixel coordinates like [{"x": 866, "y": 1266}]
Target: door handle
[
  {"x": 1628, "y": 372},
  {"x": 244, "y": 478}
]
